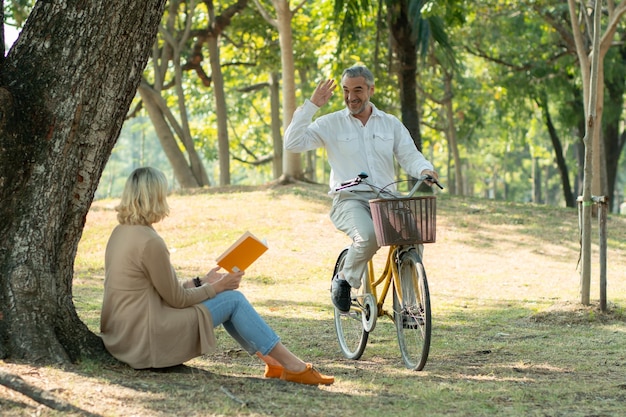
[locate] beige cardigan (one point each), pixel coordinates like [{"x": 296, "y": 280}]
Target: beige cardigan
[{"x": 148, "y": 319}]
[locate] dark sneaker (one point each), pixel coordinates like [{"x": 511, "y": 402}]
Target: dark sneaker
[{"x": 340, "y": 294}]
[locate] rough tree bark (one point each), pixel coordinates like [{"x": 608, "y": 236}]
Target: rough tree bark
[{"x": 65, "y": 88}]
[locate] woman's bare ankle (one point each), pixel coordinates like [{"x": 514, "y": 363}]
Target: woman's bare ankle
[
  {"x": 295, "y": 367},
  {"x": 287, "y": 359}
]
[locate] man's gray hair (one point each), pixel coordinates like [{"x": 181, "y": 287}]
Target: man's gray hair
[{"x": 359, "y": 71}]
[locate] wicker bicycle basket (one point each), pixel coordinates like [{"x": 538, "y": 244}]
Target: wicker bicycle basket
[{"x": 404, "y": 221}]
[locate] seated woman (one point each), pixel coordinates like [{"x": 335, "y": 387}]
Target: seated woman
[{"x": 150, "y": 319}]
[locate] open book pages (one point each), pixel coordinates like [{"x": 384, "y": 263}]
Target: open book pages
[{"x": 241, "y": 254}]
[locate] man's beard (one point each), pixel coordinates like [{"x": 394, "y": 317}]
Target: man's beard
[{"x": 358, "y": 110}]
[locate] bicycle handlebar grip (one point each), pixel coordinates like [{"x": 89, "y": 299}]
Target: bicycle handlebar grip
[
  {"x": 431, "y": 179},
  {"x": 356, "y": 180}
]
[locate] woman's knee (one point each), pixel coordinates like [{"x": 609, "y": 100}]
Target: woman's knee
[
  {"x": 235, "y": 296},
  {"x": 229, "y": 300}
]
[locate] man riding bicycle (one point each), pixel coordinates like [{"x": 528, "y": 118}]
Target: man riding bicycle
[{"x": 358, "y": 138}]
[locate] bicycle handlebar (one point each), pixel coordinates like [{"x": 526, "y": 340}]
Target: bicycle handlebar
[{"x": 430, "y": 180}]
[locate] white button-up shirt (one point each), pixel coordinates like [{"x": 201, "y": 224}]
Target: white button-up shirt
[{"x": 353, "y": 148}]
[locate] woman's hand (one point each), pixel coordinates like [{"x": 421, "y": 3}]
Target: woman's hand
[{"x": 223, "y": 281}]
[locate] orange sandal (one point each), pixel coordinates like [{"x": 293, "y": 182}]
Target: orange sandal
[
  {"x": 273, "y": 371},
  {"x": 309, "y": 376}
]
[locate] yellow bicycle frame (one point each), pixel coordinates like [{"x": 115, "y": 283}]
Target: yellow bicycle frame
[{"x": 390, "y": 274}]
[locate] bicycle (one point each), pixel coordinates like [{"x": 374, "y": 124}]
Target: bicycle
[{"x": 404, "y": 224}]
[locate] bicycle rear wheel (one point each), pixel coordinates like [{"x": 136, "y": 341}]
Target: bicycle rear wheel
[
  {"x": 351, "y": 334},
  {"x": 411, "y": 311}
]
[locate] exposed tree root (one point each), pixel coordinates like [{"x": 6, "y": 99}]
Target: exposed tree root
[{"x": 16, "y": 383}]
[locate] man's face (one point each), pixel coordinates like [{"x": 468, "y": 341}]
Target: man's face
[{"x": 356, "y": 94}]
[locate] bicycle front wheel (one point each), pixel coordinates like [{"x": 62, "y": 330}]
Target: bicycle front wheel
[
  {"x": 351, "y": 334},
  {"x": 411, "y": 311}
]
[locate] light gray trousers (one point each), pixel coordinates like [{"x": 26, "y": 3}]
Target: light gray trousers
[{"x": 351, "y": 214}]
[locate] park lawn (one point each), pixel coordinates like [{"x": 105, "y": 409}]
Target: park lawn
[{"x": 510, "y": 337}]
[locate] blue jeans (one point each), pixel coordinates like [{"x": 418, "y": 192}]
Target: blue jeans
[{"x": 233, "y": 310}]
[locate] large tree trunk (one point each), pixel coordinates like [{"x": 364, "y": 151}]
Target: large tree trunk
[
  {"x": 405, "y": 49},
  {"x": 65, "y": 86}
]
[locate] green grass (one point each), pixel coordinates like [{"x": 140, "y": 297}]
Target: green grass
[{"x": 509, "y": 335}]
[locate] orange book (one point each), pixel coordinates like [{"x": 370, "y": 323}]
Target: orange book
[{"x": 242, "y": 253}]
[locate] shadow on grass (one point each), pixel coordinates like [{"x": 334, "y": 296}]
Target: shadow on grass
[{"x": 499, "y": 359}]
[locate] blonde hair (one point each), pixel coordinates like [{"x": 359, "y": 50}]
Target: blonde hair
[{"x": 144, "y": 199}]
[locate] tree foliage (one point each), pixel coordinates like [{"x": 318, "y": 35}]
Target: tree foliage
[{"x": 513, "y": 68}]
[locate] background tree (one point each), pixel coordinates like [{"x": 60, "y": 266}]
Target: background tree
[
  {"x": 514, "y": 104},
  {"x": 446, "y": 117},
  {"x": 582, "y": 34},
  {"x": 216, "y": 27},
  {"x": 533, "y": 69},
  {"x": 574, "y": 26},
  {"x": 167, "y": 52},
  {"x": 65, "y": 88},
  {"x": 184, "y": 35},
  {"x": 292, "y": 165},
  {"x": 250, "y": 65},
  {"x": 592, "y": 70}
]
